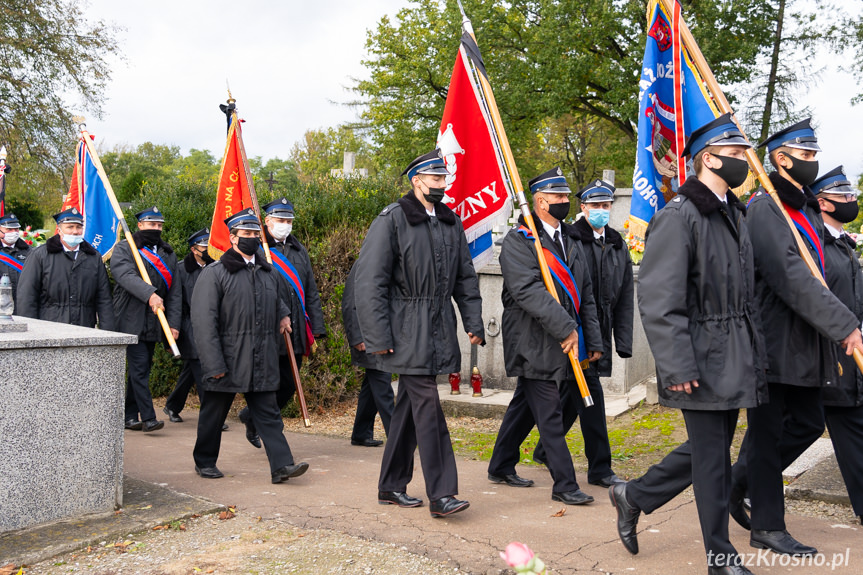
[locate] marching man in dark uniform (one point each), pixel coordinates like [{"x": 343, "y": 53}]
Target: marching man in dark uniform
[
  {"x": 189, "y": 271},
  {"x": 802, "y": 320},
  {"x": 538, "y": 333},
  {"x": 135, "y": 305},
  {"x": 376, "y": 390},
  {"x": 611, "y": 276},
  {"x": 843, "y": 403},
  {"x": 13, "y": 251},
  {"x": 696, "y": 293},
  {"x": 413, "y": 262},
  {"x": 65, "y": 279},
  {"x": 293, "y": 266},
  {"x": 238, "y": 309}
]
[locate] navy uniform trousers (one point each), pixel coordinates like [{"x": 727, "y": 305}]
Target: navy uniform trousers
[
  {"x": 418, "y": 421},
  {"x": 139, "y": 358},
  {"x": 535, "y": 402},
  {"x": 778, "y": 433},
  {"x": 287, "y": 386},
  {"x": 846, "y": 432},
  {"x": 262, "y": 404},
  {"x": 376, "y": 396},
  {"x": 190, "y": 375},
  {"x": 594, "y": 429},
  {"x": 703, "y": 461}
]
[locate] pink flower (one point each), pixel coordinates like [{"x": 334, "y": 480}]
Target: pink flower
[
  {"x": 517, "y": 554},
  {"x": 521, "y": 558}
]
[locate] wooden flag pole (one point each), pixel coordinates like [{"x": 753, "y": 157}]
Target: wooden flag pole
[
  {"x": 160, "y": 313},
  {"x": 301, "y": 397},
  {"x": 754, "y": 162},
  {"x": 488, "y": 95}
]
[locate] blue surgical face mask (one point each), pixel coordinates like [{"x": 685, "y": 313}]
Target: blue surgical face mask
[
  {"x": 598, "y": 218},
  {"x": 72, "y": 240}
]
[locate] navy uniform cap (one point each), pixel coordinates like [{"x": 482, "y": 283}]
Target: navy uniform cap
[
  {"x": 245, "y": 219},
  {"x": 800, "y": 135},
  {"x": 150, "y": 215},
  {"x": 431, "y": 163},
  {"x": 10, "y": 221},
  {"x": 722, "y": 131},
  {"x": 200, "y": 238},
  {"x": 597, "y": 191},
  {"x": 70, "y": 216},
  {"x": 833, "y": 182},
  {"x": 280, "y": 208},
  {"x": 550, "y": 182}
]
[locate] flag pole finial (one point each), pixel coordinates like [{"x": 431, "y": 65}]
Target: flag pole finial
[
  {"x": 231, "y": 99},
  {"x": 465, "y": 21},
  {"x": 80, "y": 121}
]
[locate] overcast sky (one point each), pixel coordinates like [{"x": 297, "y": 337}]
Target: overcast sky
[{"x": 289, "y": 64}]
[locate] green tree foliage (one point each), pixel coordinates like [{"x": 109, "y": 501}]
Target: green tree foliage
[
  {"x": 54, "y": 64},
  {"x": 128, "y": 169},
  {"x": 323, "y": 150},
  {"x": 554, "y": 65}
]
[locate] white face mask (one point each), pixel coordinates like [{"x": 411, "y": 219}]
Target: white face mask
[
  {"x": 282, "y": 230},
  {"x": 72, "y": 240},
  {"x": 11, "y": 237}
]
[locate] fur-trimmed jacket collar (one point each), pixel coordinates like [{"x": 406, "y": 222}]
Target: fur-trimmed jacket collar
[
  {"x": 581, "y": 230},
  {"x": 705, "y": 200},
  {"x": 55, "y": 246},
  {"x": 234, "y": 262},
  {"x": 162, "y": 243},
  {"x": 416, "y": 214},
  {"x": 791, "y": 195}
]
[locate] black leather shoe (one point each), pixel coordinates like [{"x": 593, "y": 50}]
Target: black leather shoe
[
  {"x": 209, "y": 472},
  {"x": 251, "y": 431},
  {"x": 779, "y": 542},
  {"x": 512, "y": 480},
  {"x": 540, "y": 460},
  {"x": 608, "y": 481},
  {"x": 153, "y": 425},
  {"x": 577, "y": 497},
  {"x": 133, "y": 425},
  {"x": 738, "y": 511},
  {"x": 225, "y": 427},
  {"x": 367, "y": 442},
  {"x": 399, "y": 498},
  {"x": 447, "y": 506},
  {"x": 729, "y": 570},
  {"x": 289, "y": 471},
  {"x": 174, "y": 417},
  {"x": 627, "y": 517}
]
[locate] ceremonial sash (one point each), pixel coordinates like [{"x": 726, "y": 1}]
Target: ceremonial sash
[
  {"x": 562, "y": 275},
  {"x": 158, "y": 264},
  {"x": 807, "y": 230},
  {"x": 11, "y": 262},
  {"x": 289, "y": 272}
]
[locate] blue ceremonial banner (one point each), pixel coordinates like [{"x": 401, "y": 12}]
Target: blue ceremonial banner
[
  {"x": 655, "y": 179},
  {"x": 100, "y": 221}
]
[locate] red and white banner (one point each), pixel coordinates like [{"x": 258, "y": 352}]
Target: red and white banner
[{"x": 476, "y": 185}]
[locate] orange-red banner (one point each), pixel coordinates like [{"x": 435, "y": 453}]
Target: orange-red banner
[
  {"x": 74, "y": 198},
  {"x": 232, "y": 194}
]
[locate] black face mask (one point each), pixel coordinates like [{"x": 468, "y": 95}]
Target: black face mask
[
  {"x": 843, "y": 212},
  {"x": 205, "y": 256},
  {"x": 150, "y": 237},
  {"x": 733, "y": 170},
  {"x": 434, "y": 195},
  {"x": 248, "y": 246},
  {"x": 803, "y": 172},
  {"x": 559, "y": 211}
]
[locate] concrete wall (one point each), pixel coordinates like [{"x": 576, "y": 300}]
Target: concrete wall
[{"x": 61, "y": 422}]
